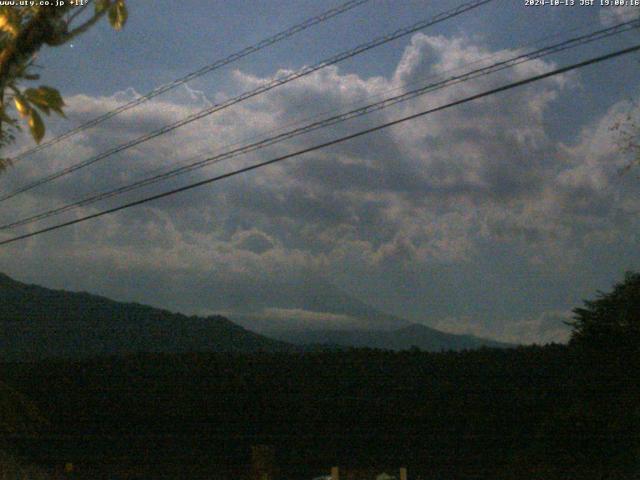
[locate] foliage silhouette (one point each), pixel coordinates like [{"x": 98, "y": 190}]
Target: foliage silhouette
[
  {"x": 612, "y": 321},
  {"x": 24, "y": 30}
]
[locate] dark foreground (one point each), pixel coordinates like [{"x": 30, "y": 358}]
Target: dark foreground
[{"x": 537, "y": 412}]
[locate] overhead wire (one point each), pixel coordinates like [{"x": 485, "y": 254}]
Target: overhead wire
[
  {"x": 290, "y": 32},
  {"x": 463, "y": 8},
  {"x": 336, "y": 141},
  {"x": 370, "y": 108}
]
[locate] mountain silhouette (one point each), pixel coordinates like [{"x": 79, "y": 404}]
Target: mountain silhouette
[
  {"x": 412, "y": 336},
  {"x": 37, "y": 322}
]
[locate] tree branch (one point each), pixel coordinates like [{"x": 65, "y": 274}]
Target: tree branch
[
  {"x": 41, "y": 29},
  {"x": 78, "y": 30},
  {"x": 78, "y": 11}
]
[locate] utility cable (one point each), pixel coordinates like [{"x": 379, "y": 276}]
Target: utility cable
[
  {"x": 320, "y": 146},
  {"x": 385, "y": 103},
  {"x": 310, "y": 22},
  {"x": 252, "y": 93}
]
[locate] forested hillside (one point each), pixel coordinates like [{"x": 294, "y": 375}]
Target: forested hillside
[
  {"x": 550, "y": 412},
  {"x": 37, "y": 323}
]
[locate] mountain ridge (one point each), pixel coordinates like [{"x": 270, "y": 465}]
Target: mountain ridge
[
  {"x": 412, "y": 336},
  {"x": 38, "y": 322}
]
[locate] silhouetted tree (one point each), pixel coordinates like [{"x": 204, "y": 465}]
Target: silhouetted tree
[
  {"x": 627, "y": 131},
  {"x": 611, "y": 321},
  {"x": 606, "y": 332}
]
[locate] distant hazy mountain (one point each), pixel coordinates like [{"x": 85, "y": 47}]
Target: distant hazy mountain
[
  {"x": 304, "y": 302},
  {"x": 310, "y": 311},
  {"x": 403, "y": 338},
  {"x": 37, "y": 322}
]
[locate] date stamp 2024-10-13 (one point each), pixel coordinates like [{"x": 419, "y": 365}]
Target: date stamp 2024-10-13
[{"x": 582, "y": 3}]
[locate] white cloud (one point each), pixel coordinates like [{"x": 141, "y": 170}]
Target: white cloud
[
  {"x": 435, "y": 191},
  {"x": 548, "y": 327},
  {"x": 299, "y": 318},
  {"x": 617, "y": 14}
]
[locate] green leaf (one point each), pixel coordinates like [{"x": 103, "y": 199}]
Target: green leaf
[
  {"x": 8, "y": 23},
  {"x": 36, "y": 126},
  {"x": 46, "y": 99},
  {"x": 22, "y": 105},
  {"x": 118, "y": 14}
]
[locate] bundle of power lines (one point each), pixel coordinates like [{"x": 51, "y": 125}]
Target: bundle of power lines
[{"x": 425, "y": 87}]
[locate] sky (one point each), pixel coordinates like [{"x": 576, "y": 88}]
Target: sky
[{"x": 494, "y": 218}]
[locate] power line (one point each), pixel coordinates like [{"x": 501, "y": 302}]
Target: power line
[
  {"x": 252, "y": 93},
  {"x": 385, "y": 103},
  {"x": 310, "y": 22},
  {"x": 471, "y": 98}
]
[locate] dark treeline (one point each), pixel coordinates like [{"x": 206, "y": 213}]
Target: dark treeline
[{"x": 535, "y": 412}]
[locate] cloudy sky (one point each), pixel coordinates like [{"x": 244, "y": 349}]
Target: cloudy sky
[{"x": 494, "y": 218}]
